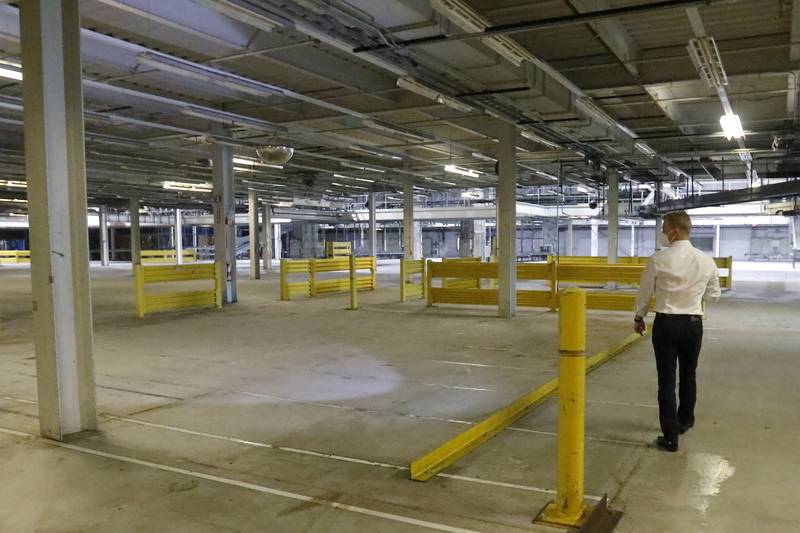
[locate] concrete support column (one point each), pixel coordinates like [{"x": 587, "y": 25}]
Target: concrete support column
[
  {"x": 613, "y": 216},
  {"x": 479, "y": 238},
  {"x": 633, "y": 240},
  {"x": 136, "y": 235},
  {"x": 59, "y": 242},
  {"x": 252, "y": 219},
  {"x": 266, "y": 235},
  {"x": 179, "y": 236},
  {"x": 570, "y": 236},
  {"x": 595, "y": 242},
  {"x": 278, "y": 246},
  {"x": 373, "y": 226},
  {"x": 408, "y": 218},
  {"x": 717, "y": 233},
  {"x": 657, "y": 221},
  {"x": 466, "y": 236},
  {"x": 194, "y": 238},
  {"x": 507, "y": 222},
  {"x": 225, "y": 221},
  {"x": 103, "y": 227},
  {"x": 417, "y": 251}
]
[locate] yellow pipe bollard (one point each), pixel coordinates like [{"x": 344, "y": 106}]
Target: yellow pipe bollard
[
  {"x": 353, "y": 283},
  {"x": 568, "y": 509}
]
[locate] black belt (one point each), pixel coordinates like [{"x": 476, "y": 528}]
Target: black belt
[{"x": 672, "y": 316}]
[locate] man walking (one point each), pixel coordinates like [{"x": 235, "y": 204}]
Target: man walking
[{"x": 681, "y": 277}]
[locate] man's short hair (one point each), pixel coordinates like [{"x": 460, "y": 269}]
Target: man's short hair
[{"x": 680, "y": 221}]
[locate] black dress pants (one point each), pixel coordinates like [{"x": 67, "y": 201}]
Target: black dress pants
[{"x": 676, "y": 341}]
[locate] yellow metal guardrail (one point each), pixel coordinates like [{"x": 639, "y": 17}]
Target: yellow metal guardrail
[
  {"x": 171, "y": 301},
  {"x": 312, "y": 285},
  {"x": 410, "y": 289},
  {"x": 338, "y": 249},
  {"x": 15, "y": 256},
  {"x": 461, "y": 283},
  {"x": 553, "y": 273},
  {"x": 167, "y": 257},
  {"x": 448, "y": 453},
  {"x": 723, "y": 263}
]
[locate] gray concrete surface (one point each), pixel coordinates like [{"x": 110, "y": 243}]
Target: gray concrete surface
[{"x": 229, "y": 420}]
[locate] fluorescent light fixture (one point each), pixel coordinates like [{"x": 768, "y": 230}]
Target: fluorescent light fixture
[
  {"x": 384, "y": 154},
  {"x": 346, "y": 186},
  {"x": 453, "y": 169},
  {"x": 483, "y": 157},
  {"x": 546, "y": 175},
  {"x": 9, "y": 73},
  {"x": 583, "y": 189},
  {"x": 244, "y": 12},
  {"x": 415, "y": 87},
  {"x": 255, "y": 163},
  {"x": 13, "y": 200},
  {"x": 224, "y": 117},
  {"x": 341, "y": 176},
  {"x": 395, "y": 130},
  {"x": 14, "y": 183},
  {"x": 706, "y": 59},
  {"x": 359, "y": 167},
  {"x": 644, "y": 148},
  {"x": 284, "y": 204},
  {"x": 187, "y": 187},
  {"x": 531, "y": 136},
  {"x": 731, "y": 126},
  {"x": 744, "y": 154}
]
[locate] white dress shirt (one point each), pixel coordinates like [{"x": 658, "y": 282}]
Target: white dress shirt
[{"x": 682, "y": 277}]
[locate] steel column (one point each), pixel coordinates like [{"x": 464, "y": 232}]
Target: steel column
[
  {"x": 225, "y": 221},
  {"x": 507, "y": 222}
]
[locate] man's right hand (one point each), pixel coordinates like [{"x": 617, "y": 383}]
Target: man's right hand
[{"x": 639, "y": 326}]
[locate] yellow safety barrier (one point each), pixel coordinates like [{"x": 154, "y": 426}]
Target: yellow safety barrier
[
  {"x": 724, "y": 263},
  {"x": 338, "y": 249},
  {"x": 441, "y": 457},
  {"x": 551, "y": 272},
  {"x": 569, "y": 508},
  {"x": 154, "y": 303},
  {"x": 408, "y": 287},
  {"x": 461, "y": 283},
  {"x": 15, "y": 256},
  {"x": 167, "y": 257},
  {"x": 314, "y": 286}
]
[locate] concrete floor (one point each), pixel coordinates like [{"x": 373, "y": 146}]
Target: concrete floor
[{"x": 300, "y": 416}]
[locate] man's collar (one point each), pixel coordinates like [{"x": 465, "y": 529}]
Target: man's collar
[{"x": 686, "y": 242}]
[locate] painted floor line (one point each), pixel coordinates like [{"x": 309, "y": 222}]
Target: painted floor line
[
  {"x": 596, "y": 439},
  {"x": 253, "y": 486},
  {"x": 625, "y": 404},
  {"x": 478, "y": 365},
  {"x": 457, "y": 387},
  {"x": 332, "y": 456}
]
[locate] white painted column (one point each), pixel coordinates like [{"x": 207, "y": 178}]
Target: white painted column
[
  {"x": 278, "y": 247},
  {"x": 595, "y": 242},
  {"x": 59, "y": 241},
  {"x": 266, "y": 235},
  {"x": 717, "y": 234},
  {"x": 657, "y": 221},
  {"x": 136, "y": 235},
  {"x": 225, "y": 221},
  {"x": 373, "y": 226},
  {"x": 103, "y": 227},
  {"x": 507, "y": 222},
  {"x": 112, "y": 242},
  {"x": 178, "y": 236},
  {"x": 194, "y": 238},
  {"x": 613, "y": 216},
  {"x": 408, "y": 218},
  {"x": 570, "y": 237},
  {"x": 252, "y": 219},
  {"x": 633, "y": 240},
  {"x": 479, "y": 239}
]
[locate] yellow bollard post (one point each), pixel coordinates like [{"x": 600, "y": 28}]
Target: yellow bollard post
[
  {"x": 353, "y": 284},
  {"x": 568, "y": 509}
]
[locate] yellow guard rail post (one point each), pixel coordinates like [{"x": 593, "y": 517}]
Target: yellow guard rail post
[
  {"x": 409, "y": 289},
  {"x": 295, "y": 266},
  {"x": 168, "y": 257},
  {"x": 171, "y": 301},
  {"x": 353, "y": 284},
  {"x": 569, "y": 509}
]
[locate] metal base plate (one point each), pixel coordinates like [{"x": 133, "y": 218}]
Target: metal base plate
[{"x": 599, "y": 519}]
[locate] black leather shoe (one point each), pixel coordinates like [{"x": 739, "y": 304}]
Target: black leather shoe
[
  {"x": 667, "y": 445},
  {"x": 686, "y": 427}
]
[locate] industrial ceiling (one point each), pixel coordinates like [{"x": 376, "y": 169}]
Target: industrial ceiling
[{"x": 370, "y": 93}]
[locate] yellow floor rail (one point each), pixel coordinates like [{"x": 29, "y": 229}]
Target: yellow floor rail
[
  {"x": 167, "y": 257},
  {"x": 409, "y": 288},
  {"x": 436, "y": 460},
  {"x": 171, "y": 301},
  {"x": 15, "y": 256},
  {"x": 314, "y": 285},
  {"x": 338, "y": 249},
  {"x": 723, "y": 263},
  {"x": 552, "y": 273}
]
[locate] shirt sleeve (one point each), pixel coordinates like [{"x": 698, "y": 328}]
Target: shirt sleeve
[
  {"x": 647, "y": 285},
  {"x": 712, "y": 287}
]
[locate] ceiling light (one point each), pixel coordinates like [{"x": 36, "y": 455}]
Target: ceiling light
[
  {"x": 644, "y": 148},
  {"x": 395, "y": 130},
  {"x": 335, "y": 184},
  {"x": 483, "y": 157},
  {"x": 453, "y": 169},
  {"x": 13, "y": 183},
  {"x": 706, "y": 59},
  {"x": 531, "y": 136},
  {"x": 353, "y": 178},
  {"x": 546, "y": 175},
  {"x": 359, "y": 167},
  {"x": 224, "y": 117},
  {"x": 9, "y": 73},
  {"x": 187, "y": 187},
  {"x": 415, "y": 87},
  {"x": 284, "y": 204},
  {"x": 376, "y": 152},
  {"x": 731, "y": 126},
  {"x": 253, "y": 162},
  {"x": 13, "y": 200},
  {"x": 244, "y": 12}
]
